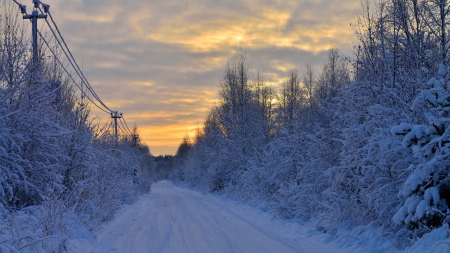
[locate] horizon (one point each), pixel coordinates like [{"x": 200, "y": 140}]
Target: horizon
[{"x": 160, "y": 63}]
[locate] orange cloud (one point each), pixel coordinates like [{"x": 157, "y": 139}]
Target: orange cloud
[
  {"x": 160, "y": 62},
  {"x": 168, "y": 137},
  {"x": 265, "y": 28}
]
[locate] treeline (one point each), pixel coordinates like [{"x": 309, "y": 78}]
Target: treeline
[
  {"x": 365, "y": 141},
  {"x": 60, "y": 170},
  {"x": 163, "y": 166}
]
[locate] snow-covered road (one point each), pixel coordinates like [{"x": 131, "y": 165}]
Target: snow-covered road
[{"x": 172, "y": 219}]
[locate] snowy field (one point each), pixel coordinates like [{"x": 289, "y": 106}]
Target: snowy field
[{"x": 173, "y": 219}]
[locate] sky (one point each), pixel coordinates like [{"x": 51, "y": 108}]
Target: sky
[{"x": 160, "y": 62}]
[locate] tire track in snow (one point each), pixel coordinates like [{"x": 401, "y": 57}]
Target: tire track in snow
[{"x": 172, "y": 219}]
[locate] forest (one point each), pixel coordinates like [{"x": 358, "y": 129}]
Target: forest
[
  {"x": 62, "y": 171},
  {"x": 364, "y": 141}
]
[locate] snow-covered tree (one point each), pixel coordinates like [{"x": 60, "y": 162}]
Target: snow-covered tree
[
  {"x": 427, "y": 187},
  {"x": 58, "y": 165}
]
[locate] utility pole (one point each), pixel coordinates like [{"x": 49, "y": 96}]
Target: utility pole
[
  {"x": 116, "y": 115},
  {"x": 34, "y": 16},
  {"x": 135, "y": 137}
]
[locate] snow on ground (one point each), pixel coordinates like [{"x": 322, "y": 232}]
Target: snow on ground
[{"x": 173, "y": 219}]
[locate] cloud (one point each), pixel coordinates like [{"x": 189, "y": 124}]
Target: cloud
[{"x": 160, "y": 62}]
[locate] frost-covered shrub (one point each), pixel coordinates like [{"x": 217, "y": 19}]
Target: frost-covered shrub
[
  {"x": 58, "y": 168},
  {"x": 427, "y": 189},
  {"x": 21, "y": 232}
]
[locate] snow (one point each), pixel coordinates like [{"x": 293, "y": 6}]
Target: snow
[
  {"x": 400, "y": 216},
  {"x": 401, "y": 129},
  {"x": 172, "y": 219},
  {"x": 416, "y": 133},
  {"x": 26, "y": 233},
  {"x": 442, "y": 70},
  {"x": 434, "y": 82},
  {"x": 431, "y": 98},
  {"x": 411, "y": 184},
  {"x": 432, "y": 193},
  {"x": 432, "y": 242},
  {"x": 3, "y": 238},
  {"x": 412, "y": 202},
  {"x": 421, "y": 209}
]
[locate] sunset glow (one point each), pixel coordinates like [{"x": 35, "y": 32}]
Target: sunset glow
[{"x": 160, "y": 62}]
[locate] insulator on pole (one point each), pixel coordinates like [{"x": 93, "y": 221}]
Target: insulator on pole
[
  {"x": 34, "y": 16},
  {"x": 46, "y": 7},
  {"x": 23, "y": 9}
]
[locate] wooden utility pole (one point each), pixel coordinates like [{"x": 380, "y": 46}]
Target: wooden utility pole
[
  {"x": 116, "y": 115},
  {"x": 135, "y": 137},
  {"x": 34, "y": 16}
]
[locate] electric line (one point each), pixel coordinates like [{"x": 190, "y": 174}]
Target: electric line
[
  {"x": 133, "y": 136},
  {"x": 73, "y": 58},
  {"x": 65, "y": 49},
  {"x": 20, "y": 5},
  {"x": 124, "y": 128},
  {"x": 78, "y": 71},
  {"x": 123, "y": 118},
  {"x": 46, "y": 7},
  {"x": 67, "y": 72}
]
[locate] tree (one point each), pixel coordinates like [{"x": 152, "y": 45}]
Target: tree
[
  {"x": 427, "y": 188},
  {"x": 333, "y": 79},
  {"x": 290, "y": 102},
  {"x": 57, "y": 165}
]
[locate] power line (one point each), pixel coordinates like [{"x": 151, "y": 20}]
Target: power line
[
  {"x": 23, "y": 8},
  {"x": 65, "y": 49},
  {"x": 72, "y": 62},
  {"x": 76, "y": 64},
  {"x": 122, "y": 130},
  {"x": 123, "y": 118},
  {"x": 46, "y": 8},
  {"x": 126, "y": 130},
  {"x": 77, "y": 69},
  {"x": 67, "y": 72},
  {"x": 133, "y": 136},
  {"x": 126, "y": 124}
]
